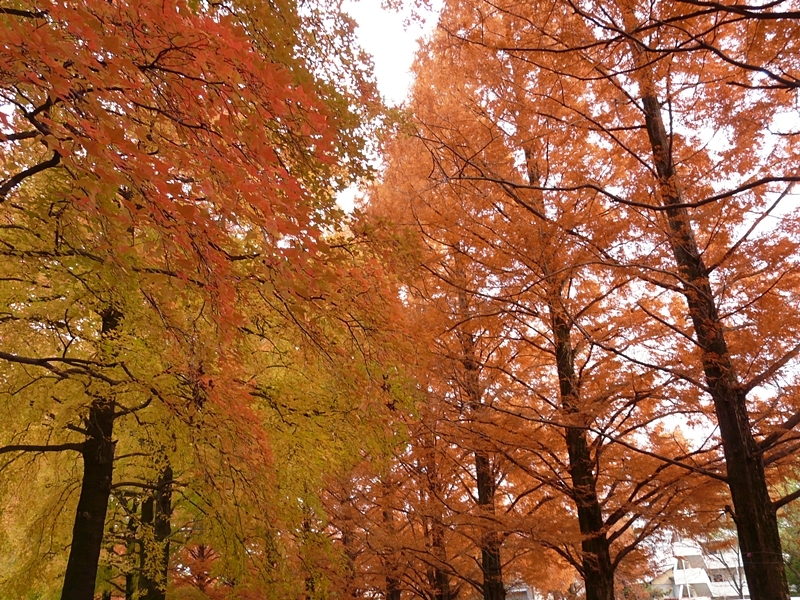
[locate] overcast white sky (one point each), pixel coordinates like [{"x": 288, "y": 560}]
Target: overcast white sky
[{"x": 392, "y": 45}]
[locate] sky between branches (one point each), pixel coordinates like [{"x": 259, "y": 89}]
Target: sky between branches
[{"x": 383, "y": 34}]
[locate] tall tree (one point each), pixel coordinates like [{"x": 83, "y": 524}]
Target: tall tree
[
  {"x": 682, "y": 140},
  {"x": 169, "y": 170},
  {"x": 471, "y": 185}
]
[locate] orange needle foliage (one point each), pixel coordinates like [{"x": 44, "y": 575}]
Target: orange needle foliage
[{"x": 619, "y": 174}]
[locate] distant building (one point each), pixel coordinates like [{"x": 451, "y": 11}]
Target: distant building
[
  {"x": 700, "y": 571},
  {"x": 520, "y": 591}
]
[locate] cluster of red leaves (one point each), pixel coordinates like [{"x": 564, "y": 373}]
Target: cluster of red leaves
[{"x": 174, "y": 119}]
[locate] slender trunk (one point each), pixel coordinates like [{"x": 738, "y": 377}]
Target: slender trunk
[
  {"x": 98, "y": 470},
  {"x": 130, "y": 576},
  {"x": 350, "y": 550},
  {"x": 156, "y": 513},
  {"x": 351, "y": 588},
  {"x": 146, "y": 525},
  {"x": 755, "y": 516},
  {"x": 491, "y": 564},
  {"x": 393, "y": 591},
  {"x": 390, "y": 562},
  {"x": 130, "y": 586},
  {"x": 438, "y": 578},
  {"x": 598, "y": 569},
  {"x": 163, "y": 528},
  {"x": 493, "y": 588}
]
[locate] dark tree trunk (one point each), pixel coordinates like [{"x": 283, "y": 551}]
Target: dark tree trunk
[
  {"x": 755, "y": 516},
  {"x": 390, "y": 559},
  {"x": 393, "y": 591},
  {"x": 438, "y": 577},
  {"x": 491, "y": 565},
  {"x": 163, "y": 528},
  {"x": 156, "y": 513},
  {"x": 350, "y": 548},
  {"x": 130, "y": 576},
  {"x": 98, "y": 469},
  {"x": 130, "y": 586},
  {"x": 493, "y": 588},
  {"x": 598, "y": 570},
  {"x": 90, "y": 516}
]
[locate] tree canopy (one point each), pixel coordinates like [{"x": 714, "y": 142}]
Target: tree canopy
[{"x": 561, "y": 328}]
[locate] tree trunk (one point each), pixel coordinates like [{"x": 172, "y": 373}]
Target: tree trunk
[
  {"x": 349, "y": 542},
  {"x": 755, "y": 517},
  {"x": 393, "y": 591},
  {"x": 98, "y": 470},
  {"x": 90, "y": 516},
  {"x": 163, "y": 528},
  {"x": 598, "y": 570},
  {"x": 438, "y": 578},
  {"x": 491, "y": 564},
  {"x": 156, "y": 512},
  {"x": 390, "y": 562},
  {"x": 133, "y": 526},
  {"x": 493, "y": 588}
]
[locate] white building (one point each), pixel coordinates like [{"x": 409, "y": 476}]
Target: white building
[
  {"x": 520, "y": 591},
  {"x": 708, "y": 571}
]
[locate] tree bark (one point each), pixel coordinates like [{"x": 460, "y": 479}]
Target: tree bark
[
  {"x": 98, "y": 468},
  {"x": 754, "y": 514},
  {"x": 347, "y": 529},
  {"x": 491, "y": 565},
  {"x": 390, "y": 558},
  {"x": 133, "y": 527},
  {"x": 90, "y": 516},
  {"x": 598, "y": 570},
  {"x": 156, "y": 513},
  {"x": 438, "y": 577},
  {"x": 493, "y": 588},
  {"x": 393, "y": 591}
]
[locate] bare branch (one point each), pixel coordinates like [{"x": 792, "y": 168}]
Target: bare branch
[
  {"x": 14, "y": 181},
  {"x": 786, "y": 499},
  {"x": 42, "y": 448},
  {"x": 28, "y": 14}
]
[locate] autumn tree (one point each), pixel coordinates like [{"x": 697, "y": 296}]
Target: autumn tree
[
  {"x": 681, "y": 131},
  {"x": 225, "y": 449},
  {"x": 471, "y": 185},
  {"x": 168, "y": 178}
]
